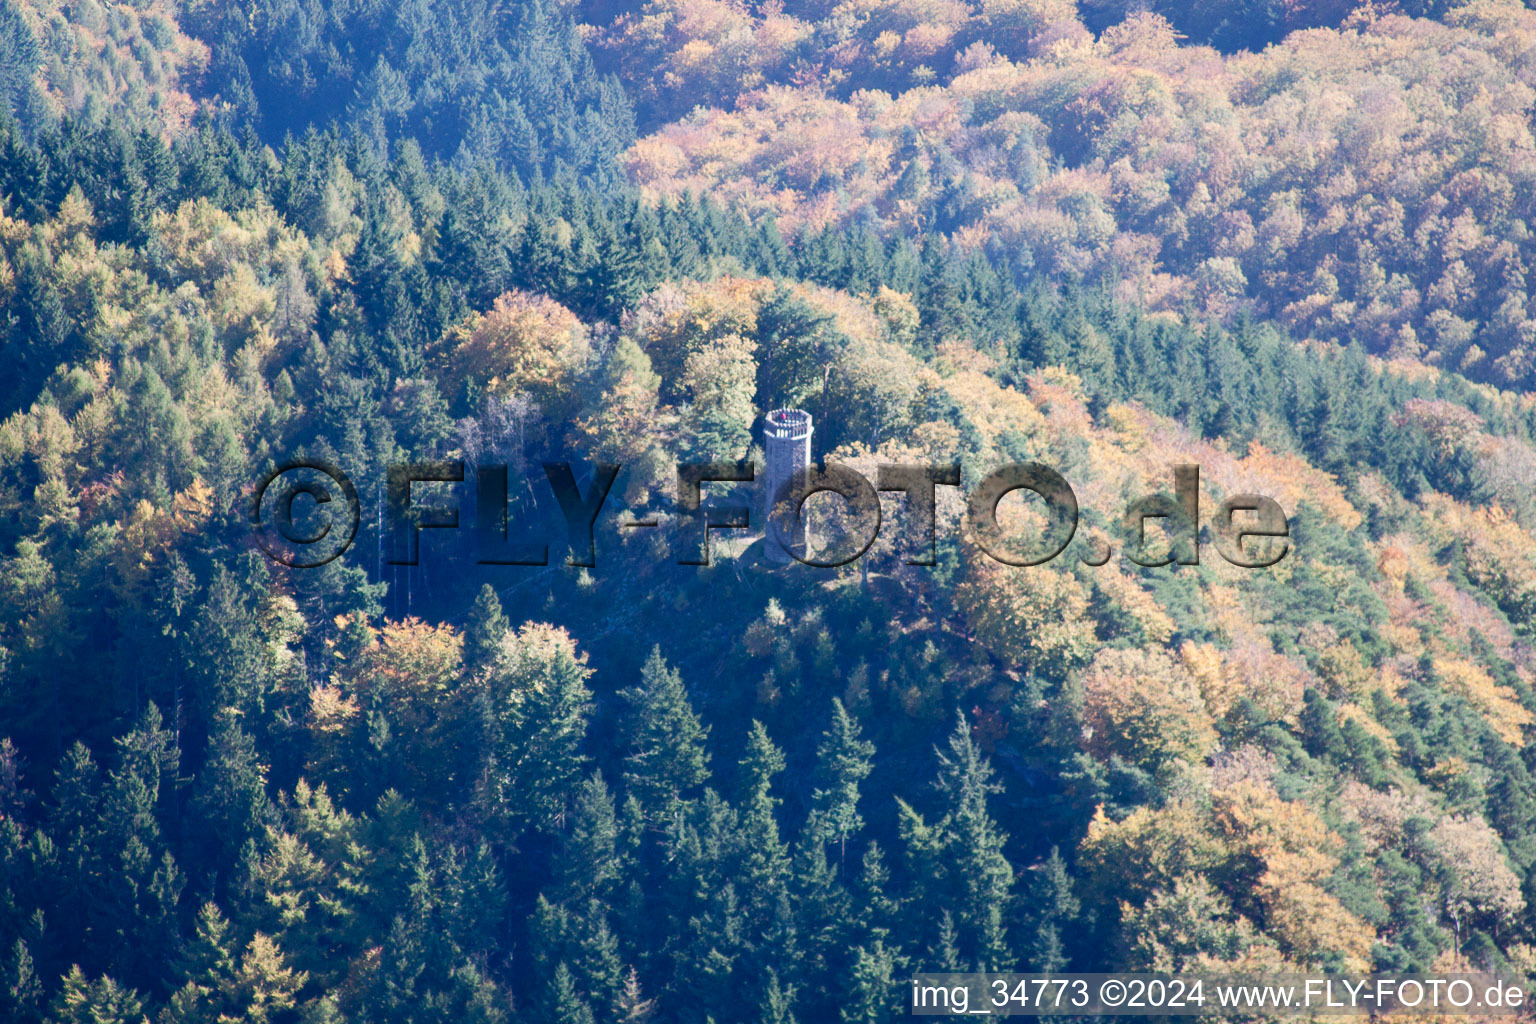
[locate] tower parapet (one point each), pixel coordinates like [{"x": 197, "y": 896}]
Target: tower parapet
[{"x": 787, "y": 442}]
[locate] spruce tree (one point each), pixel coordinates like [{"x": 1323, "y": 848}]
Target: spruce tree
[
  {"x": 666, "y": 757},
  {"x": 764, "y": 869},
  {"x": 1050, "y": 907},
  {"x": 141, "y": 880},
  {"x": 843, "y": 761},
  {"x": 230, "y": 794},
  {"x": 632, "y": 1007},
  {"x": 102, "y": 1001},
  {"x": 566, "y": 1006},
  {"x": 485, "y": 629},
  {"x": 591, "y": 860},
  {"x": 873, "y": 994},
  {"x": 776, "y": 1003},
  {"x": 597, "y": 964},
  {"x": 981, "y": 878}
]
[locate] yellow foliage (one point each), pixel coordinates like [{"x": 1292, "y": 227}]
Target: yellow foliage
[
  {"x": 203, "y": 242},
  {"x": 144, "y": 73},
  {"x": 1036, "y": 616},
  {"x": 1125, "y": 595},
  {"x": 527, "y": 344},
  {"x": 240, "y": 305},
  {"x": 1273, "y": 682},
  {"x": 1363, "y": 718},
  {"x": 1151, "y": 849},
  {"x": 674, "y": 322},
  {"x": 332, "y": 716},
  {"x": 1499, "y": 704},
  {"x": 1293, "y": 852},
  {"x": 410, "y": 664},
  {"x": 1499, "y": 559},
  {"x": 1146, "y": 707},
  {"x": 993, "y": 409},
  {"x": 191, "y": 507},
  {"x": 330, "y": 710},
  {"x": 1147, "y": 160},
  {"x": 627, "y": 421},
  {"x": 1343, "y": 669},
  {"x": 1309, "y": 922},
  {"x": 75, "y": 214},
  {"x": 1217, "y": 687}
]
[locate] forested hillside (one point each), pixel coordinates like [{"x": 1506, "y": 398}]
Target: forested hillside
[
  {"x": 1370, "y": 185},
  {"x": 231, "y": 790}
]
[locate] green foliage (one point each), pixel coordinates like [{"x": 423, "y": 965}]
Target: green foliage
[
  {"x": 446, "y": 792},
  {"x": 666, "y": 758}
]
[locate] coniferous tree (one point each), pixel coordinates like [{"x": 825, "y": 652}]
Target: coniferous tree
[
  {"x": 765, "y": 867},
  {"x": 632, "y": 1007},
  {"x": 566, "y": 1005},
  {"x": 486, "y": 628},
  {"x": 534, "y": 714},
  {"x": 776, "y": 1003},
  {"x": 842, "y": 762},
  {"x": 981, "y": 877},
  {"x": 873, "y": 991},
  {"x": 666, "y": 756},
  {"x": 102, "y": 1001},
  {"x": 598, "y": 967},
  {"x": 591, "y": 861},
  {"x": 141, "y": 883},
  {"x": 1050, "y": 906},
  {"x": 21, "y": 990},
  {"x": 230, "y": 793}
]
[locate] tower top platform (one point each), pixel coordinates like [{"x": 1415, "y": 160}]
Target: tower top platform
[{"x": 788, "y": 425}]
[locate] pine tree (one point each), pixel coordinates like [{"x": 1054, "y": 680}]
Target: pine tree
[
  {"x": 1320, "y": 729},
  {"x": 666, "y": 757},
  {"x": 632, "y": 1007},
  {"x": 565, "y": 1004},
  {"x": 591, "y": 861},
  {"x": 484, "y": 631},
  {"x": 1050, "y": 906},
  {"x": 230, "y": 794},
  {"x": 842, "y": 762},
  {"x": 873, "y": 995},
  {"x": 102, "y": 1001},
  {"x": 776, "y": 1002}
]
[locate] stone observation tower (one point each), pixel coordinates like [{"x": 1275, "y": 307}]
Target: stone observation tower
[{"x": 787, "y": 438}]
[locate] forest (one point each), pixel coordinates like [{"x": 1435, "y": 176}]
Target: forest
[{"x": 1286, "y": 242}]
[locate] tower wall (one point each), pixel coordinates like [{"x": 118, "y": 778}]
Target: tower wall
[{"x": 787, "y": 441}]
